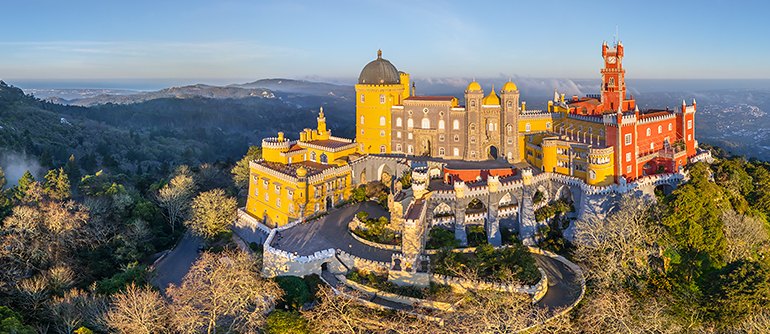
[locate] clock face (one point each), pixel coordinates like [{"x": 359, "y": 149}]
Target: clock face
[{"x": 612, "y": 60}]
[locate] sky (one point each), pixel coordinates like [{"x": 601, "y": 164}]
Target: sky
[{"x": 227, "y": 41}]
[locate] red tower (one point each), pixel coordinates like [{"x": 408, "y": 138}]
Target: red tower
[{"x": 613, "y": 78}]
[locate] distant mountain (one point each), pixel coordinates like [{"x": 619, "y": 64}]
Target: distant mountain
[
  {"x": 301, "y": 87},
  {"x": 184, "y": 92}
]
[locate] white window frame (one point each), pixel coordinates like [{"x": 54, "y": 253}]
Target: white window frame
[
  {"x": 456, "y": 125},
  {"x": 628, "y": 139},
  {"x": 399, "y": 122},
  {"x": 382, "y": 121}
]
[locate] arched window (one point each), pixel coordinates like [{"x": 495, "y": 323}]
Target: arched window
[
  {"x": 312, "y": 156},
  {"x": 382, "y": 98},
  {"x": 362, "y": 98},
  {"x": 457, "y": 138},
  {"x": 382, "y": 148},
  {"x": 509, "y": 129},
  {"x": 473, "y": 126},
  {"x": 473, "y": 103},
  {"x": 399, "y": 122},
  {"x": 382, "y": 120},
  {"x": 425, "y": 123},
  {"x": 652, "y": 146},
  {"x": 660, "y": 128},
  {"x": 410, "y": 149},
  {"x": 324, "y": 158},
  {"x": 362, "y": 119},
  {"x": 398, "y": 147},
  {"x": 398, "y": 134},
  {"x": 409, "y": 123},
  {"x": 509, "y": 104},
  {"x": 441, "y": 124},
  {"x": 456, "y": 152},
  {"x": 649, "y": 132},
  {"x": 612, "y": 81},
  {"x": 669, "y": 126},
  {"x": 527, "y": 127},
  {"x": 440, "y": 151},
  {"x": 491, "y": 126},
  {"x": 456, "y": 125}
]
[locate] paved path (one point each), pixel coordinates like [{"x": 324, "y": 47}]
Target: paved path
[
  {"x": 331, "y": 231},
  {"x": 563, "y": 284},
  {"x": 177, "y": 263}
]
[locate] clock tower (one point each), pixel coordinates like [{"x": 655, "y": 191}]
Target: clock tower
[{"x": 613, "y": 77}]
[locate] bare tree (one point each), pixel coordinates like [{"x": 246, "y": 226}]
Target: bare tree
[
  {"x": 746, "y": 236},
  {"x": 174, "y": 198},
  {"x": 138, "y": 310},
  {"x": 222, "y": 291},
  {"x": 610, "y": 311},
  {"x": 212, "y": 213},
  {"x": 77, "y": 308},
  {"x": 337, "y": 314},
  {"x": 755, "y": 323},
  {"x": 620, "y": 246}
]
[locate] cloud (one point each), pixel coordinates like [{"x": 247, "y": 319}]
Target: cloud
[{"x": 15, "y": 164}]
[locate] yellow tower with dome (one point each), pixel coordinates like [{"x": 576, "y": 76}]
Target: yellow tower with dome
[{"x": 380, "y": 87}]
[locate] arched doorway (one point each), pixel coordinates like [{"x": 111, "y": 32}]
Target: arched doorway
[
  {"x": 664, "y": 189},
  {"x": 493, "y": 153},
  {"x": 328, "y": 203},
  {"x": 425, "y": 147}
]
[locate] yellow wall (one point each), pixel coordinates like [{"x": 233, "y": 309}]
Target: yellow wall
[
  {"x": 372, "y": 110},
  {"x": 276, "y": 208}
]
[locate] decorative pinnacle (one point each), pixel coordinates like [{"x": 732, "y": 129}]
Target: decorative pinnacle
[
  {"x": 321, "y": 114},
  {"x": 379, "y": 53}
]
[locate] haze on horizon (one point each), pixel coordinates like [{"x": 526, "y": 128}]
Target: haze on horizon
[{"x": 238, "y": 41}]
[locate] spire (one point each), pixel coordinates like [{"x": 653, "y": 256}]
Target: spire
[
  {"x": 636, "y": 109},
  {"x": 379, "y": 53},
  {"x": 321, "y": 114}
]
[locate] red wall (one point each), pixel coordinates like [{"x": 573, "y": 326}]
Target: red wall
[{"x": 470, "y": 175}]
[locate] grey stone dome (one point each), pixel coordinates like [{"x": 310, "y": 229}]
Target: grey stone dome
[{"x": 379, "y": 72}]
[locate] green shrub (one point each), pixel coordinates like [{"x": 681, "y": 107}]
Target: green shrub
[
  {"x": 285, "y": 322},
  {"x": 133, "y": 273},
  {"x": 441, "y": 238},
  {"x": 296, "y": 292}
]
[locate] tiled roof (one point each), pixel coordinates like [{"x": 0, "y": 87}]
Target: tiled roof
[
  {"x": 429, "y": 98},
  {"x": 329, "y": 143}
]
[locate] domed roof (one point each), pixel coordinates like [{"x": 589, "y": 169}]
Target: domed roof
[
  {"x": 379, "y": 72},
  {"x": 301, "y": 171},
  {"x": 473, "y": 86},
  {"x": 510, "y": 86},
  {"x": 491, "y": 99}
]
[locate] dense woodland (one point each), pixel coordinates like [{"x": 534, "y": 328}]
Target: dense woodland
[{"x": 76, "y": 242}]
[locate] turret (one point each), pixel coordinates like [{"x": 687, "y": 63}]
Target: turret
[{"x": 321, "y": 122}]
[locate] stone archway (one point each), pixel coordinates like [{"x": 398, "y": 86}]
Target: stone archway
[
  {"x": 664, "y": 189},
  {"x": 492, "y": 152},
  {"x": 329, "y": 203},
  {"x": 384, "y": 174}
]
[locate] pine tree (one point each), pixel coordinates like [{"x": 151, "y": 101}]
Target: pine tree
[
  {"x": 57, "y": 184},
  {"x": 72, "y": 169},
  {"x": 24, "y": 183}
]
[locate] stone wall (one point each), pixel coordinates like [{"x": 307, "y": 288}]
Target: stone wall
[
  {"x": 277, "y": 262},
  {"x": 462, "y": 285},
  {"x": 352, "y": 261},
  {"x": 441, "y": 306}
]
